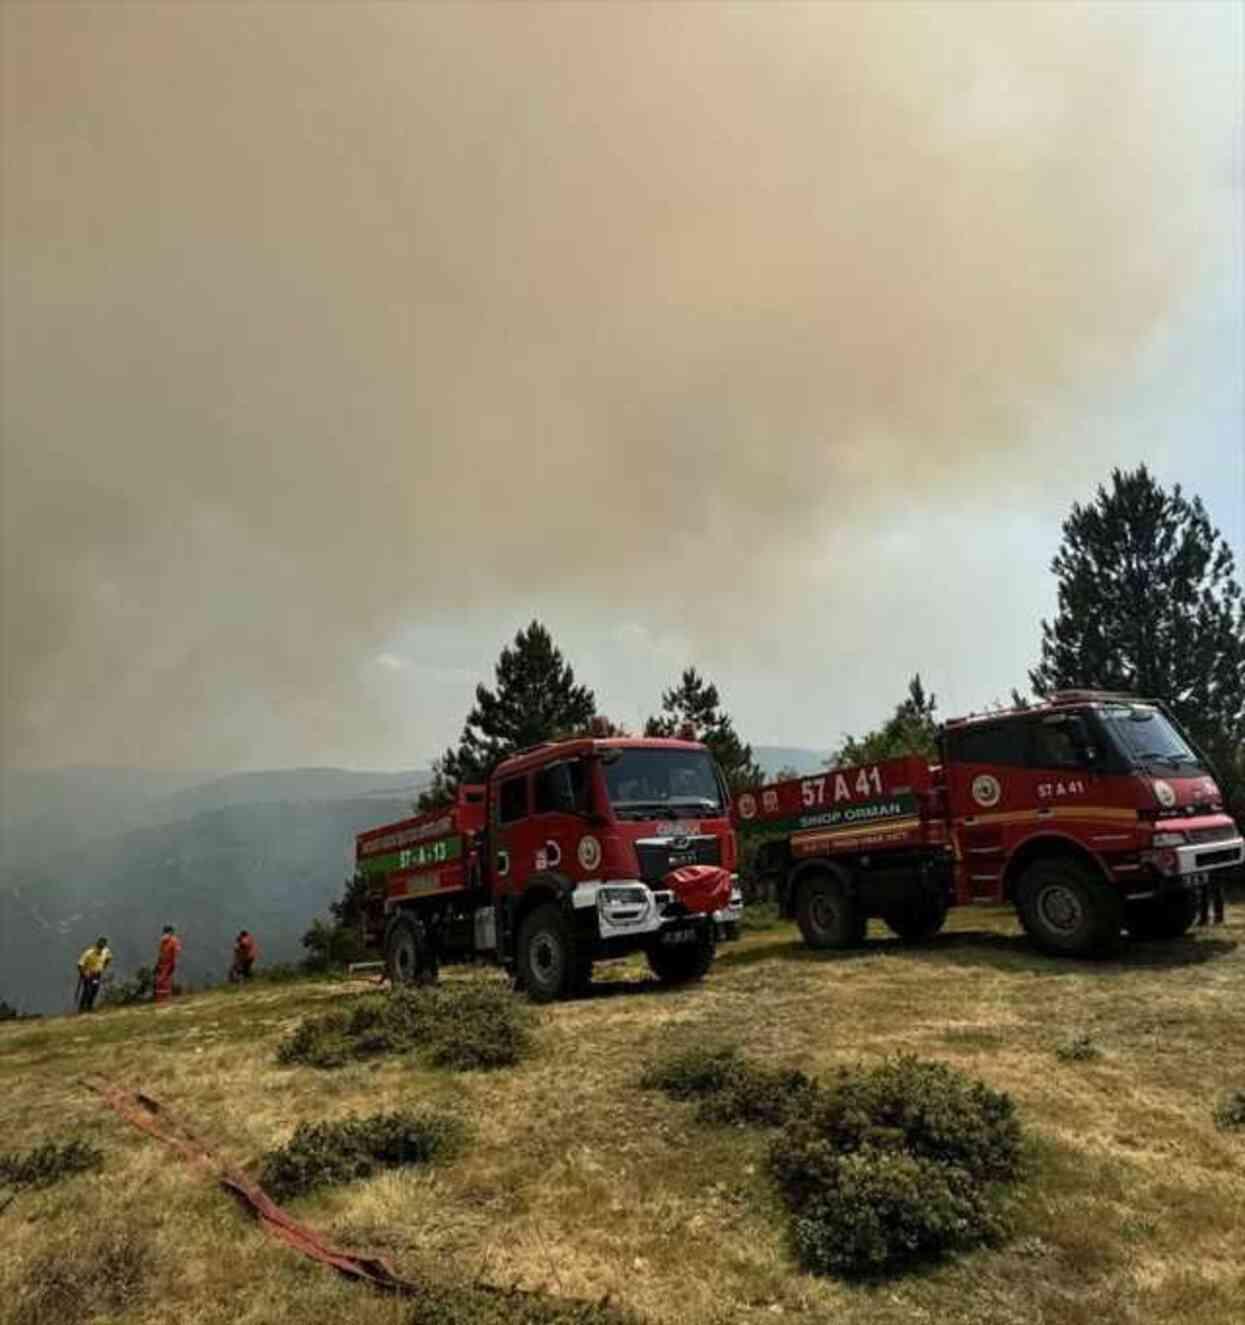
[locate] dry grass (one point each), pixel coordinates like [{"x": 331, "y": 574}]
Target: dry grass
[{"x": 581, "y": 1182}]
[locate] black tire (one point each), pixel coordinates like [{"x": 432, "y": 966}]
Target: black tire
[
  {"x": 1161, "y": 917},
  {"x": 827, "y": 915},
  {"x": 682, "y": 963},
  {"x": 1067, "y": 909},
  {"x": 409, "y": 956},
  {"x": 919, "y": 918},
  {"x": 547, "y": 963}
]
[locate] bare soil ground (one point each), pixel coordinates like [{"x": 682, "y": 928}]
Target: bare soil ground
[{"x": 580, "y": 1182}]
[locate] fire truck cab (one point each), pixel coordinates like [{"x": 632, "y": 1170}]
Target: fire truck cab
[
  {"x": 1093, "y": 813},
  {"x": 573, "y": 852}
]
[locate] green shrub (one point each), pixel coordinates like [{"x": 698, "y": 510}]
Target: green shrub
[
  {"x": 924, "y": 1108},
  {"x": 49, "y": 1163},
  {"x": 463, "y": 1027},
  {"x": 8, "y": 1012},
  {"x": 329, "y": 1154},
  {"x": 893, "y": 1164},
  {"x": 758, "y": 1097},
  {"x": 318, "y": 1042},
  {"x": 333, "y": 945},
  {"x": 696, "y": 1072},
  {"x": 875, "y": 1211},
  {"x": 140, "y": 988},
  {"x": 480, "y": 1026},
  {"x": 1230, "y": 1110},
  {"x": 1078, "y": 1049},
  {"x": 731, "y": 1089}
]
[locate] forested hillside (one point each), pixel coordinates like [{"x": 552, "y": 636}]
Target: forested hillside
[{"x": 264, "y": 851}]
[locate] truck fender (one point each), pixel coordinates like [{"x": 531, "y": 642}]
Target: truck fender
[
  {"x": 547, "y": 886},
  {"x": 1049, "y": 844}
]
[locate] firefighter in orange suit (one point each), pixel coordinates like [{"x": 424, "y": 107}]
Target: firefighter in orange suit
[
  {"x": 166, "y": 964},
  {"x": 245, "y": 951}
]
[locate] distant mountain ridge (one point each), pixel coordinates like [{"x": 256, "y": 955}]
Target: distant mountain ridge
[{"x": 123, "y": 852}]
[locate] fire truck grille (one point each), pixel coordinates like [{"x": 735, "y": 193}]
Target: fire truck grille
[
  {"x": 658, "y": 859},
  {"x": 1216, "y": 834},
  {"x": 1204, "y": 859}
]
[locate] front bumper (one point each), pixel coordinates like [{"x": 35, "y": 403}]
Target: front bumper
[
  {"x": 1180, "y": 868},
  {"x": 630, "y": 909},
  {"x": 1200, "y": 857}
]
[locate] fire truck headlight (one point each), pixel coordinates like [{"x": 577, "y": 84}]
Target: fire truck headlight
[
  {"x": 1169, "y": 839},
  {"x": 623, "y": 905}
]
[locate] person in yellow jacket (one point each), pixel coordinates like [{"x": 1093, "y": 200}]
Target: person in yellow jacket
[{"x": 91, "y": 967}]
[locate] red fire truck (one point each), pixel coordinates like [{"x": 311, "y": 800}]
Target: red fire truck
[
  {"x": 1092, "y": 813},
  {"x": 572, "y": 852}
]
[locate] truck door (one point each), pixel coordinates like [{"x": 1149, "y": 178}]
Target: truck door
[
  {"x": 1065, "y": 761},
  {"x": 558, "y": 797},
  {"x": 508, "y": 840}
]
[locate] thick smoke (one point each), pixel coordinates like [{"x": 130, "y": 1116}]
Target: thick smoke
[{"x": 325, "y": 322}]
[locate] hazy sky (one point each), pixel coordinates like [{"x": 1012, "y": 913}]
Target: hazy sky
[{"x": 340, "y": 340}]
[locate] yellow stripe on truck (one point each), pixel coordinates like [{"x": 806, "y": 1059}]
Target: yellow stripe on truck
[{"x": 1060, "y": 812}]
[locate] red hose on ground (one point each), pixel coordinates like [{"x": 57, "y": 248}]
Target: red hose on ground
[{"x": 142, "y": 1111}]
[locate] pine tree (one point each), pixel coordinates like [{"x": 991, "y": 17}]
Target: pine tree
[
  {"x": 693, "y": 708},
  {"x": 350, "y": 909},
  {"x": 912, "y": 730},
  {"x": 1148, "y": 604},
  {"x": 536, "y": 700}
]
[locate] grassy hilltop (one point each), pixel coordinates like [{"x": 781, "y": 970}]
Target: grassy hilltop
[{"x": 579, "y": 1182}]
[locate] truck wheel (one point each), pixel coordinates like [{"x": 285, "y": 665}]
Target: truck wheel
[
  {"x": 1161, "y": 917},
  {"x": 1066, "y": 909},
  {"x": 546, "y": 963},
  {"x": 409, "y": 958},
  {"x": 919, "y": 918},
  {"x": 681, "y": 963},
  {"x": 827, "y": 916}
]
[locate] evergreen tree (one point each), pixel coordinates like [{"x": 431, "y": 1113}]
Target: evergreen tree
[
  {"x": 352, "y": 906},
  {"x": 1148, "y": 604},
  {"x": 536, "y": 700},
  {"x": 912, "y": 730},
  {"x": 693, "y": 709}
]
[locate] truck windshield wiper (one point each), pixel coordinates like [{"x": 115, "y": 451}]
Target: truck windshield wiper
[
  {"x": 700, "y": 802},
  {"x": 1159, "y": 757},
  {"x": 639, "y": 809}
]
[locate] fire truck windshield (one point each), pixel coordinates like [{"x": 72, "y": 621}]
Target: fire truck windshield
[
  {"x": 644, "y": 784},
  {"x": 1144, "y": 736}
]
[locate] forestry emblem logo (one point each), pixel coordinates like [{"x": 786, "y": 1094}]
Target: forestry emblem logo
[
  {"x": 589, "y": 852},
  {"x": 986, "y": 790}
]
